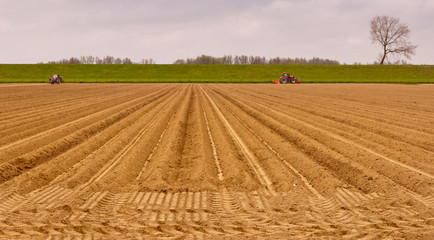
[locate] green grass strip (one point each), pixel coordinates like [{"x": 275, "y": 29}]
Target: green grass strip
[{"x": 81, "y": 73}]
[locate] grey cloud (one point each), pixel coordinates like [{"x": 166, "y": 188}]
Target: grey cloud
[{"x": 165, "y": 30}]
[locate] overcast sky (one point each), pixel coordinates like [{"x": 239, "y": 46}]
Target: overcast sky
[{"x": 34, "y": 31}]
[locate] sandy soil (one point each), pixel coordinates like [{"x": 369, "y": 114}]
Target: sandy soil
[{"x": 192, "y": 161}]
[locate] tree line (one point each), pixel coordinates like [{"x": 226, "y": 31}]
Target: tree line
[
  {"x": 245, "y": 60},
  {"x": 203, "y": 59},
  {"x": 98, "y": 60}
]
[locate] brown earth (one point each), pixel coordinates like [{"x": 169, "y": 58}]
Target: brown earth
[{"x": 132, "y": 161}]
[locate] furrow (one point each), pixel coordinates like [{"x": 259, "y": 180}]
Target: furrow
[
  {"x": 215, "y": 161},
  {"x": 374, "y": 131},
  {"x": 115, "y": 160},
  {"x": 16, "y": 166},
  {"x": 155, "y": 148},
  {"x": 51, "y": 114},
  {"x": 359, "y": 108},
  {"x": 214, "y": 151},
  {"x": 292, "y": 168},
  {"x": 277, "y": 113},
  {"x": 99, "y": 148},
  {"x": 75, "y": 121},
  {"x": 252, "y": 160},
  {"x": 340, "y": 138},
  {"x": 350, "y": 142},
  {"x": 55, "y": 147},
  {"x": 293, "y": 150}
]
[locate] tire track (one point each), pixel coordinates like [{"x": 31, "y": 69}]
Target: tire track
[
  {"x": 361, "y": 212},
  {"x": 154, "y": 220},
  {"x": 157, "y": 207},
  {"x": 10, "y": 202},
  {"x": 93, "y": 200},
  {"x": 43, "y": 198},
  {"x": 425, "y": 200}
]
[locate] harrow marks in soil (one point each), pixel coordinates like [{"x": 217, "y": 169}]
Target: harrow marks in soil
[
  {"x": 217, "y": 161},
  {"x": 223, "y": 213}
]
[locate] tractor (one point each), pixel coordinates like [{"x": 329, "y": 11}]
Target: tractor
[
  {"x": 285, "y": 78},
  {"x": 56, "y": 78}
]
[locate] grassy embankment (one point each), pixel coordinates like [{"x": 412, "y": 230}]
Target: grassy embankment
[{"x": 411, "y": 74}]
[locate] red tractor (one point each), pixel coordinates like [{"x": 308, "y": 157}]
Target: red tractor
[
  {"x": 56, "y": 78},
  {"x": 285, "y": 78}
]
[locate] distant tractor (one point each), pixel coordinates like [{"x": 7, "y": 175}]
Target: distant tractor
[
  {"x": 285, "y": 78},
  {"x": 56, "y": 78}
]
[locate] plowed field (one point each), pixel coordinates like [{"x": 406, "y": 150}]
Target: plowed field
[{"x": 216, "y": 161}]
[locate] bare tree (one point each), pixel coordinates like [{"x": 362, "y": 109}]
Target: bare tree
[
  {"x": 87, "y": 60},
  {"x": 180, "y": 61},
  {"x": 98, "y": 60},
  {"x": 242, "y": 60},
  {"x": 392, "y": 36},
  {"x": 118, "y": 61},
  {"x": 90, "y": 59},
  {"x": 148, "y": 61},
  {"x": 108, "y": 60},
  {"x": 74, "y": 60},
  {"x": 127, "y": 61}
]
